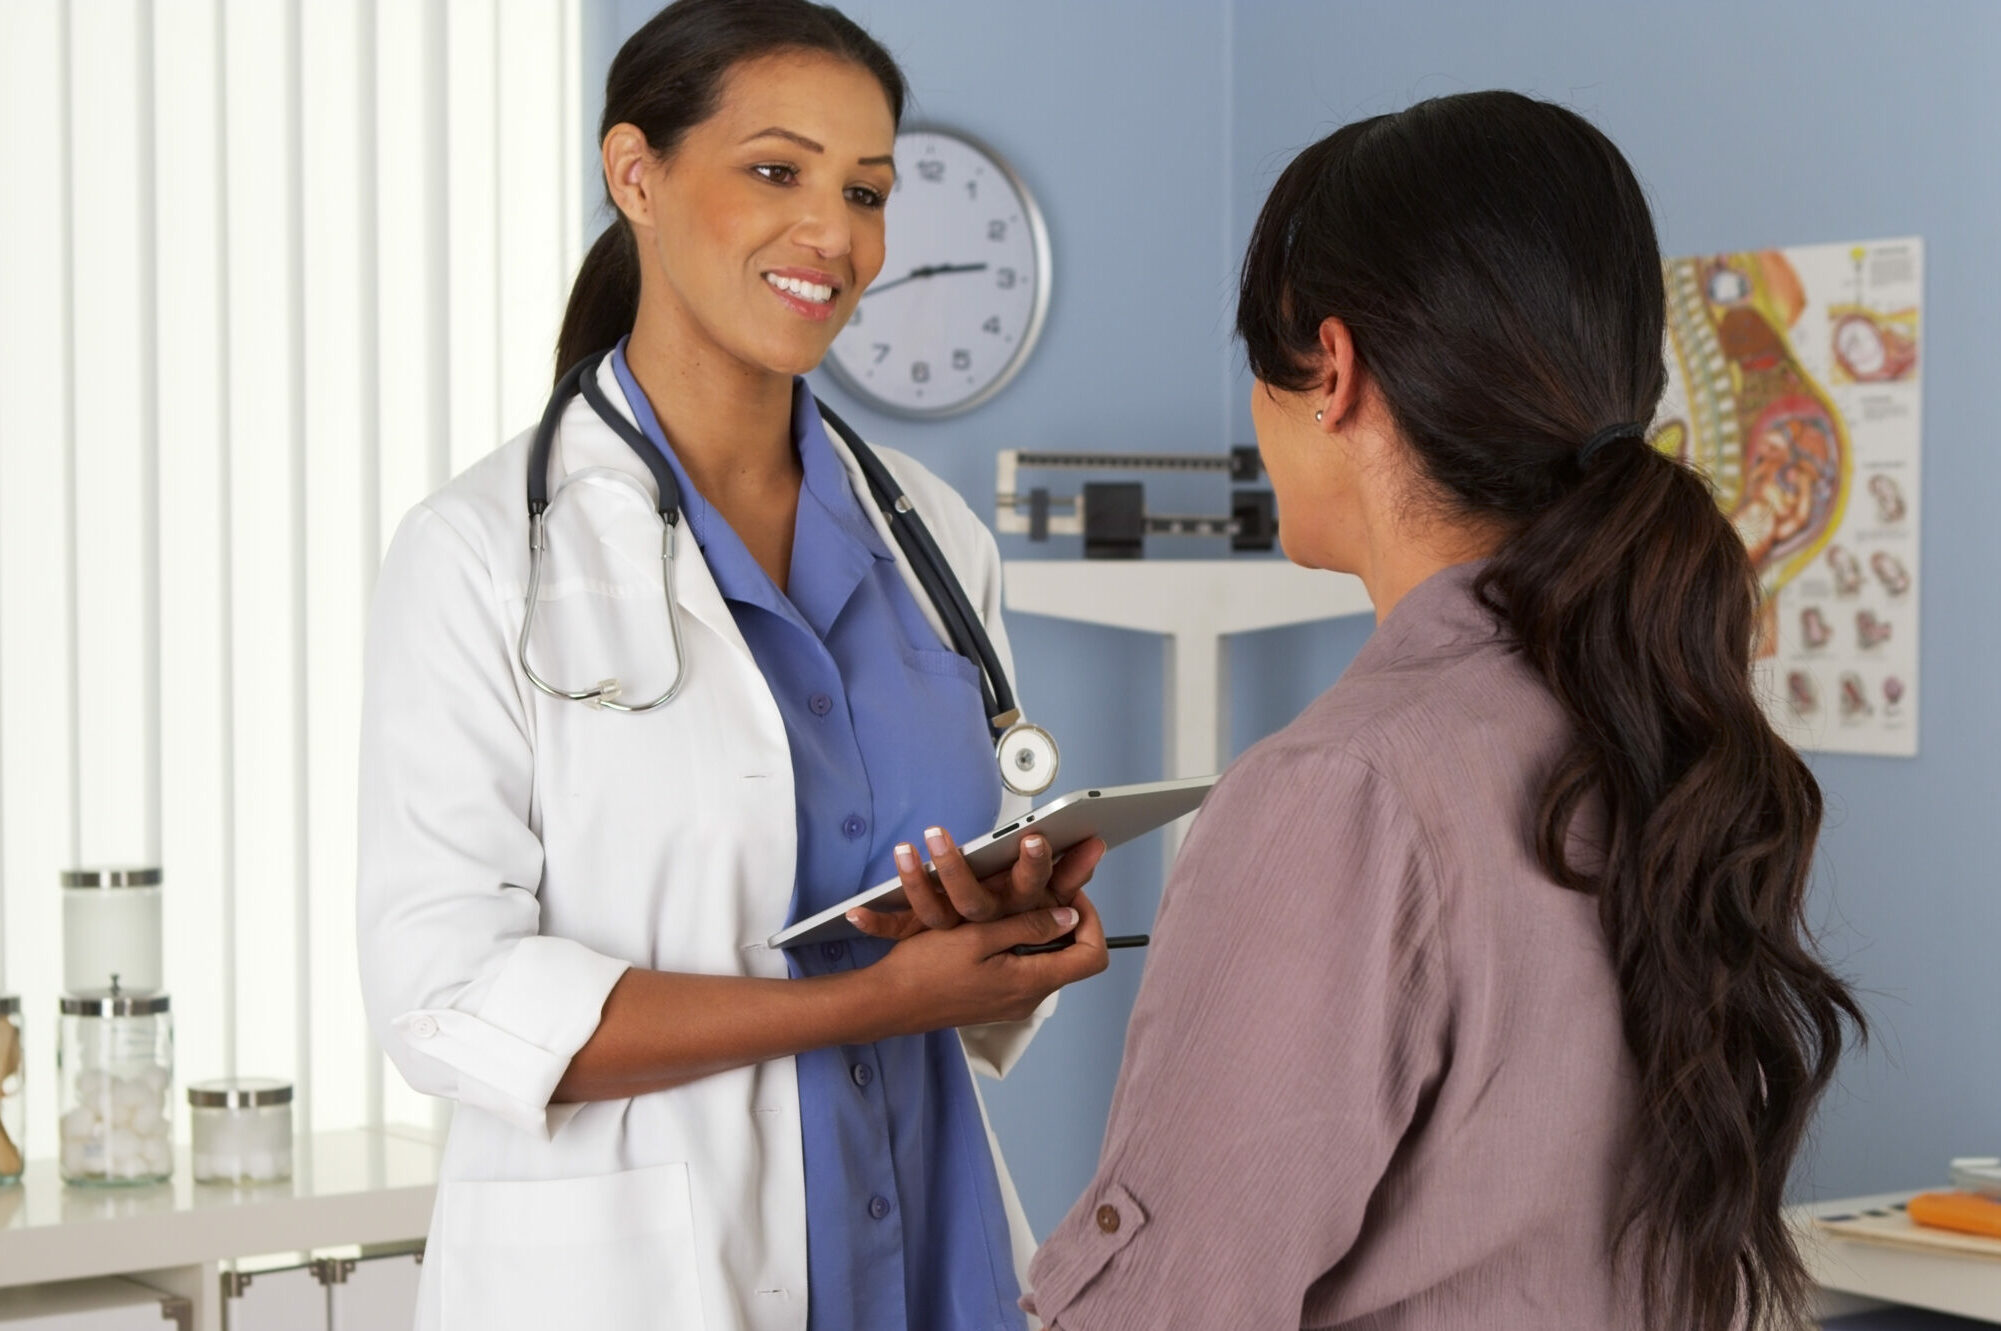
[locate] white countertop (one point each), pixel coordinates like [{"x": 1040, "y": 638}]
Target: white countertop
[
  {"x": 360, "y": 1186},
  {"x": 1948, "y": 1282}
]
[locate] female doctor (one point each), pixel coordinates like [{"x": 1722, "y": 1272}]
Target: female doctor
[{"x": 564, "y": 906}]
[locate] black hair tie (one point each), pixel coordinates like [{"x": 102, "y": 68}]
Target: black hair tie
[{"x": 1611, "y": 434}]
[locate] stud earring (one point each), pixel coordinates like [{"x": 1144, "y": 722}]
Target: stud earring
[{"x": 1318, "y": 414}]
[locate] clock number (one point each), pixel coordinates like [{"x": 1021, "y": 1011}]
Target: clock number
[
  {"x": 992, "y": 325},
  {"x": 932, "y": 170},
  {"x": 972, "y": 189},
  {"x": 962, "y": 360},
  {"x": 920, "y": 372},
  {"x": 1004, "y": 279},
  {"x": 997, "y": 230},
  {"x": 854, "y": 320},
  {"x": 881, "y": 351}
]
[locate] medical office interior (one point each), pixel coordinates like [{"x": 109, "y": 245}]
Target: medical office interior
[{"x": 273, "y": 270}]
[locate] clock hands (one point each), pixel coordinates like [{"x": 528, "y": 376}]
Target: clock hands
[{"x": 929, "y": 270}]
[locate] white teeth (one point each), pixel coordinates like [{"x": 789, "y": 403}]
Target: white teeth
[{"x": 804, "y": 290}]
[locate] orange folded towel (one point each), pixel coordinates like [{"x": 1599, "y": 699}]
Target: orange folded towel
[{"x": 1962, "y": 1212}]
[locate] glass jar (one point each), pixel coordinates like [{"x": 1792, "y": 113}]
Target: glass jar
[
  {"x": 242, "y": 1130},
  {"x": 115, "y": 1062},
  {"x": 111, "y": 930},
  {"x": 13, "y": 1091}
]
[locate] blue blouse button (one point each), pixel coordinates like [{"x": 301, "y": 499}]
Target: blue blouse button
[
  {"x": 878, "y": 1207},
  {"x": 854, "y": 826},
  {"x": 821, "y": 704},
  {"x": 863, "y": 1075},
  {"x": 833, "y": 951}
]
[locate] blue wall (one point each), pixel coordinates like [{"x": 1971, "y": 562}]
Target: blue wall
[{"x": 1149, "y": 132}]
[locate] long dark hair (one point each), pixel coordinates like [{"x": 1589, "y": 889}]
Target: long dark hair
[
  {"x": 1495, "y": 263},
  {"x": 666, "y": 80}
]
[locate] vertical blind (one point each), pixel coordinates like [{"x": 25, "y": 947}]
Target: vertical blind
[{"x": 270, "y": 272}]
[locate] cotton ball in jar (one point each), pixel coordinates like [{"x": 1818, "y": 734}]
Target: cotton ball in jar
[
  {"x": 82, "y": 1124},
  {"x": 131, "y": 1096},
  {"x": 159, "y": 1156},
  {"x": 148, "y": 1122},
  {"x": 125, "y": 1153},
  {"x": 91, "y": 1085}
]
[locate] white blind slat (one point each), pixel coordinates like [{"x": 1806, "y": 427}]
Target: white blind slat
[
  {"x": 472, "y": 104},
  {"x": 262, "y": 323},
  {"x": 534, "y": 275},
  {"x": 408, "y": 224},
  {"x": 337, "y": 345},
  {"x": 37, "y": 674},
  {"x": 113, "y": 433},
  {"x": 195, "y": 801}
]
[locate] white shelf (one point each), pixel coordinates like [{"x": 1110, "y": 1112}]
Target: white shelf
[
  {"x": 1220, "y": 596},
  {"x": 362, "y": 1186}
]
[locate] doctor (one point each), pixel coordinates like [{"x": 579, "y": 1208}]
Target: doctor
[{"x": 661, "y": 1122}]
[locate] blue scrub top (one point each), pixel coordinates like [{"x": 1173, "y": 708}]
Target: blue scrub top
[{"x": 904, "y": 1222}]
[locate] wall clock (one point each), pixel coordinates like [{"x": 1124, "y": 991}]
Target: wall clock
[{"x": 964, "y": 285}]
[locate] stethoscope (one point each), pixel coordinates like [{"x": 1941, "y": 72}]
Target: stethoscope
[{"x": 1026, "y": 752}]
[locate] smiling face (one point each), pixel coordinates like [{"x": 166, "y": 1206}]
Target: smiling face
[{"x": 759, "y": 232}]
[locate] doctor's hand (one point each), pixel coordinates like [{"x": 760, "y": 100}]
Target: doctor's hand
[
  {"x": 968, "y": 976},
  {"x": 1034, "y": 882}
]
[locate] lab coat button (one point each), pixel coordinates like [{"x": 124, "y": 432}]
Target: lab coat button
[
  {"x": 863, "y": 1075},
  {"x": 821, "y": 704},
  {"x": 854, "y": 826},
  {"x": 423, "y": 1028},
  {"x": 878, "y": 1207},
  {"x": 1108, "y": 1219}
]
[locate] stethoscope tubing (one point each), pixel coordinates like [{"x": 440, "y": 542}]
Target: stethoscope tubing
[{"x": 948, "y": 597}]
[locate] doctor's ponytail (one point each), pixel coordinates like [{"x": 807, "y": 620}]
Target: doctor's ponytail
[
  {"x": 667, "y": 79},
  {"x": 1494, "y": 260}
]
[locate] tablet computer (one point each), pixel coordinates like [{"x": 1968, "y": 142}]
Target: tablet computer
[{"x": 1115, "y": 814}]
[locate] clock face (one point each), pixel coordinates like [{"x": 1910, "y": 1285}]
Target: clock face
[{"x": 964, "y": 283}]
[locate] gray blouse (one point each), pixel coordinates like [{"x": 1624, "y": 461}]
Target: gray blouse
[{"x": 1375, "y": 1076}]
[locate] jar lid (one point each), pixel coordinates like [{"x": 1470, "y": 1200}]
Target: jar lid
[
  {"x": 128, "y": 877},
  {"x": 239, "y": 1093},
  {"x": 10, "y": 1004},
  {"x": 113, "y": 1005}
]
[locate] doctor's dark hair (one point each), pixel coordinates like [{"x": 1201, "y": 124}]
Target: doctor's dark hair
[
  {"x": 1495, "y": 263},
  {"x": 667, "y": 79}
]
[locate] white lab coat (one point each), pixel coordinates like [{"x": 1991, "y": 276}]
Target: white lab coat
[{"x": 518, "y": 853}]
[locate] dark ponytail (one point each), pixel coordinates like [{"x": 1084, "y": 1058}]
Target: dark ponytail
[
  {"x": 1495, "y": 262},
  {"x": 666, "y": 79}
]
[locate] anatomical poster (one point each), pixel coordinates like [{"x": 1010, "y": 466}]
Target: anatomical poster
[{"x": 1794, "y": 384}]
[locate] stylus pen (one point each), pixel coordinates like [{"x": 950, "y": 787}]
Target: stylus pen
[{"x": 1117, "y": 940}]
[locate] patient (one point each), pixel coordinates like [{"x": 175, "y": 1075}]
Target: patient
[{"x": 1481, "y": 996}]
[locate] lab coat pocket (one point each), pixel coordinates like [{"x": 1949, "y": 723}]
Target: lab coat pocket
[{"x": 613, "y": 1251}]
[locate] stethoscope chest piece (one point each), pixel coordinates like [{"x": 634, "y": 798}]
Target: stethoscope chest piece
[{"x": 1028, "y": 758}]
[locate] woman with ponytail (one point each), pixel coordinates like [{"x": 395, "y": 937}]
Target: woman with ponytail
[
  {"x": 1481, "y": 996},
  {"x": 660, "y": 1120}
]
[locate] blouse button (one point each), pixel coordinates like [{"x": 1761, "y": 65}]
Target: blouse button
[
  {"x": 863, "y": 1075},
  {"x": 1108, "y": 1219},
  {"x": 821, "y": 704},
  {"x": 878, "y": 1207},
  {"x": 854, "y": 826}
]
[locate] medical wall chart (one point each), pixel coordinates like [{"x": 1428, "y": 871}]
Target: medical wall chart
[{"x": 1793, "y": 383}]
